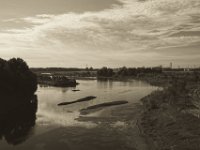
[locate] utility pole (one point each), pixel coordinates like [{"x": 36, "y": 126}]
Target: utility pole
[{"x": 171, "y": 65}]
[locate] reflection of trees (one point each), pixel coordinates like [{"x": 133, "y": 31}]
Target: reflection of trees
[
  {"x": 105, "y": 83},
  {"x": 16, "y": 123}
]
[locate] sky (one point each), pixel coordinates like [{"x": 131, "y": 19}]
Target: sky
[{"x": 113, "y": 33}]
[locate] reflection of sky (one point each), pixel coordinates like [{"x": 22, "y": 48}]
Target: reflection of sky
[
  {"x": 76, "y": 33},
  {"x": 105, "y": 91}
]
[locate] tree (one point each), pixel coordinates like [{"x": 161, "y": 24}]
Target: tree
[
  {"x": 105, "y": 72},
  {"x": 15, "y": 76},
  {"x": 123, "y": 71}
]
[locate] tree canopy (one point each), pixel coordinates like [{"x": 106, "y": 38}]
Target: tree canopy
[
  {"x": 15, "y": 76},
  {"x": 105, "y": 72}
]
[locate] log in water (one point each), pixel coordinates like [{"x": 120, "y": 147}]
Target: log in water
[
  {"x": 101, "y": 106},
  {"x": 76, "y": 90},
  {"x": 88, "y": 98}
]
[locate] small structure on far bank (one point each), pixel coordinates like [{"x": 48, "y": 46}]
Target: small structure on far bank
[{"x": 55, "y": 80}]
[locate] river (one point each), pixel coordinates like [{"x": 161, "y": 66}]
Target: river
[{"x": 62, "y": 127}]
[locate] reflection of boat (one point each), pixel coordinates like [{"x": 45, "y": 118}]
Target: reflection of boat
[{"x": 16, "y": 124}]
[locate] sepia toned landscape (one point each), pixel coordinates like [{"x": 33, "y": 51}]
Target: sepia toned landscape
[{"x": 100, "y": 75}]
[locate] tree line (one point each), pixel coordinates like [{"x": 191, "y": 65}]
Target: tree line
[{"x": 124, "y": 71}]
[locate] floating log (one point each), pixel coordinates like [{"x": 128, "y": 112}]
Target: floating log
[
  {"x": 88, "y": 98},
  {"x": 101, "y": 106},
  {"x": 76, "y": 90}
]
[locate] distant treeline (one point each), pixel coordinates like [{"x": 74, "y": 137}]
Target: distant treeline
[
  {"x": 16, "y": 77},
  {"x": 57, "y": 69},
  {"x": 124, "y": 71},
  {"x": 110, "y": 72}
]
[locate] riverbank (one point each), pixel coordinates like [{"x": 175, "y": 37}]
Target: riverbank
[{"x": 170, "y": 118}]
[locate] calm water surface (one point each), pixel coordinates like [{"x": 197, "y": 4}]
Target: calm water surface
[{"x": 55, "y": 124}]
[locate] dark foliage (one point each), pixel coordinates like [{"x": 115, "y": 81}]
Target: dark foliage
[
  {"x": 124, "y": 71},
  {"x": 55, "y": 69},
  {"x": 16, "y": 77},
  {"x": 105, "y": 72}
]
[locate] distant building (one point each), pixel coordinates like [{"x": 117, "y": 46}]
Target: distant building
[
  {"x": 45, "y": 73},
  {"x": 186, "y": 69}
]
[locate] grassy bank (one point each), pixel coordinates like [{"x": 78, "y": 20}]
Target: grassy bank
[{"x": 171, "y": 116}]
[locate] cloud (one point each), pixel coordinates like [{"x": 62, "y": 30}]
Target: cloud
[
  {"x": 134, "y": 33},
  {"x": 38, "y": 19},
  {"x": 186, "y": 33}
]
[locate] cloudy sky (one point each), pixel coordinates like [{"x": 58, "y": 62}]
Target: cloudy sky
[{"x": 76, "y": 33}]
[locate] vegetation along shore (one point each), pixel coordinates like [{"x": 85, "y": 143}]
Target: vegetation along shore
[{"x": 171, "y": 116}]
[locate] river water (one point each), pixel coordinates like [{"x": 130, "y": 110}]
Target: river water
[{"x": 62, "y": 127}]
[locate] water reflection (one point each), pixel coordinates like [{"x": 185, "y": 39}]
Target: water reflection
[
  {"x": 105, "y": 84},
  {"x": 109, "y": 83},
  {"x": 61, "y": 127},
  {"x": 49, "y": 114},
  {"x": 16, "y": 125}
]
